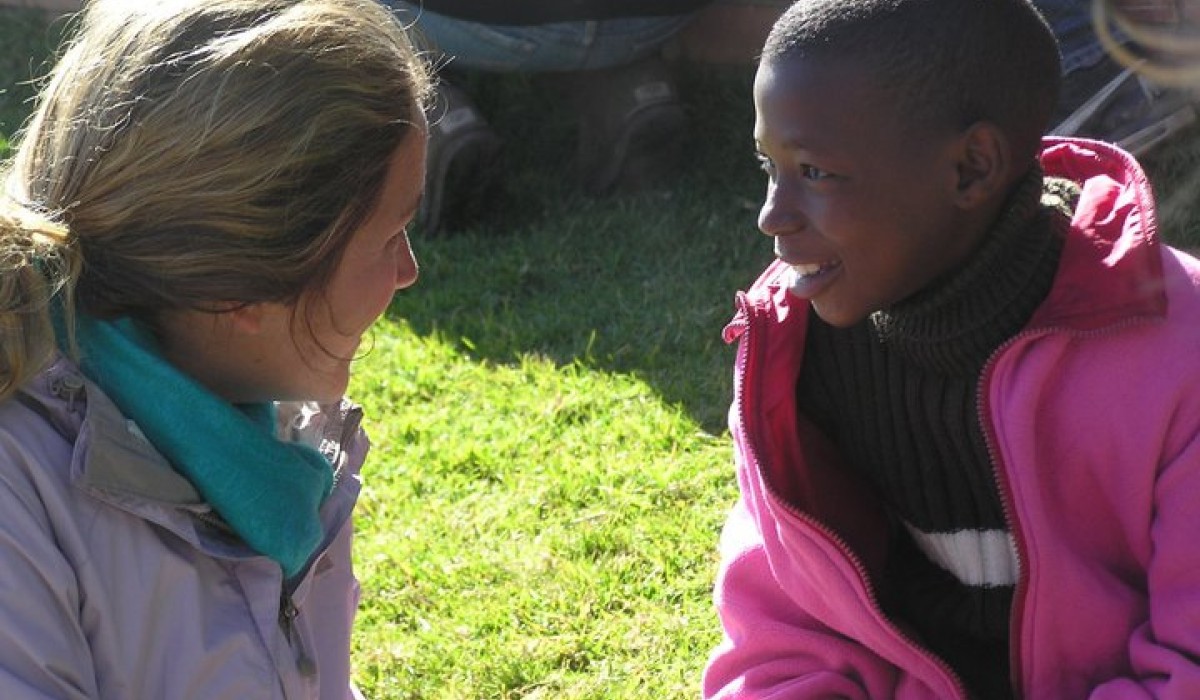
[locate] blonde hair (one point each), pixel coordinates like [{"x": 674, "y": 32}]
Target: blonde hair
[
  {"x": 186, "y": 153},
  {"x": 1167, "y": 54}
]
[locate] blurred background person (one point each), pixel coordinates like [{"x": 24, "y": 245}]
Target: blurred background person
[{"x": 605, "y": 56}]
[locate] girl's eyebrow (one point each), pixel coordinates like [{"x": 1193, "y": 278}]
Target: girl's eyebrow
[{"x": 411, "y": 210}]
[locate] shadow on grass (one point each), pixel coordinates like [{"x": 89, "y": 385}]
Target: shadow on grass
[
  {"x": 639, "y": 284},
  {"x": 632, "y": 284}
]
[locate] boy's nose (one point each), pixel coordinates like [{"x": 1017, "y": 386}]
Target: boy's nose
[{"x": 778, "y": 217}]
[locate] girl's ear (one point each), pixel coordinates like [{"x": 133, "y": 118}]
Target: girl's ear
[
  {"x": 984, "y": 165},
  {"x": 246, "y": 319}
]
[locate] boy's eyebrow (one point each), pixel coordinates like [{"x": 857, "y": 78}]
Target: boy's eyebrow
[{"x": 791, "y": 144}]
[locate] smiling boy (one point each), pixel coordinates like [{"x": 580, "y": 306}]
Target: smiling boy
[{"x": 966, "y": 408}]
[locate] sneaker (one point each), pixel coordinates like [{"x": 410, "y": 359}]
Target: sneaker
[
  {"x": 632, "y": 128},
  {"x": 1127, "y": 110},
  {"x": 462, "y": 163}
]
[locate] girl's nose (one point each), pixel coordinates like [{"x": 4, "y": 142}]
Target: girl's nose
[{"x": 407, "y": 269}]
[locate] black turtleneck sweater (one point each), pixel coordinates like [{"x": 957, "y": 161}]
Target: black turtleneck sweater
[{"x": 898, "y": 394}]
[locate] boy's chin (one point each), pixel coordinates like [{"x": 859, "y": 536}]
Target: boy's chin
[{"x": 837, "y": 317}]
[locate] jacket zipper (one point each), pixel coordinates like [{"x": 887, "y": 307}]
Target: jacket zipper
[
  {"x": 348, "y": 423},
  {"x": 1000, "y": 476},
  {"x": 287, "y": 620},
  {"x": 841, "y": 544}
]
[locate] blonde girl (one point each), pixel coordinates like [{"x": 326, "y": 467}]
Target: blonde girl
[{"x": 201, "y": 221}]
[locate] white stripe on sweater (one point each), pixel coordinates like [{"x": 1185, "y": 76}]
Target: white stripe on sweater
[{"x": 983, "y": 558}]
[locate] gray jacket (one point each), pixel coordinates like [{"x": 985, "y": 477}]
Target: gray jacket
[{"x": 117, "y": 581}]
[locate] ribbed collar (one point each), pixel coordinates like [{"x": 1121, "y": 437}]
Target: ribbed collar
[{"x": 954, "y": 325}]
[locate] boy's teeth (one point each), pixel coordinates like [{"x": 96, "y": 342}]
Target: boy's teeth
[{"x": 807, "y": 269}]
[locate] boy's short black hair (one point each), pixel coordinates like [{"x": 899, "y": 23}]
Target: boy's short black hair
[{"x": 945, "y": 63}]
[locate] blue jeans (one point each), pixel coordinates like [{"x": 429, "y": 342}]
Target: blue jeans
[
  {"x": 1071, "y": 21},
  {"x": 562, "y": 46}
]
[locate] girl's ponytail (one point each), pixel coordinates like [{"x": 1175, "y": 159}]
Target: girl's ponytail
[{"x": 38, "y": 269}]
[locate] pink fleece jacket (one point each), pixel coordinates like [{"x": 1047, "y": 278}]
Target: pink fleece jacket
[{"x": 1092, "y": 416}]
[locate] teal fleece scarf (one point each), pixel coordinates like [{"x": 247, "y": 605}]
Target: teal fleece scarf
[{"x": 268, "y": 491}]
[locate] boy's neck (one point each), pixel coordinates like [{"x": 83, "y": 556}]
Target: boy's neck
[{"x": 964, "y": 315}]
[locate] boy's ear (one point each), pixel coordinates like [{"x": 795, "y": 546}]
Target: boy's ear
[{"x": 983, "y": 165}]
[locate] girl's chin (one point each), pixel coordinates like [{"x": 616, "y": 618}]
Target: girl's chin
[
  {"x": 330, "y": 392},
  {"x": 327, "y": 386}
]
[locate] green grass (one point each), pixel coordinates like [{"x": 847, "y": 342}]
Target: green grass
[
  {"x": 550, "y": 467},
  {"x": 531, "y": 529}
]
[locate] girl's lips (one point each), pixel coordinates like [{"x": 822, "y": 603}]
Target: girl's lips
[{"x": 806, "y": 280}]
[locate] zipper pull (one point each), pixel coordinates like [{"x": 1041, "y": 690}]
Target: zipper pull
[{"x": 287, "y": 620}]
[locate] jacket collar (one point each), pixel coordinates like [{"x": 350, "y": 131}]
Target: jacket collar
[
  {"x": 1111, "y": 266},
  {"x": 110, "y": 454},
  {"x": 113, "y": 457},
  {"x": 112, "y": 462}
]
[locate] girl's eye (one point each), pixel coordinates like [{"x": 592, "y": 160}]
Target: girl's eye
[{"x": 394, "y": 240}]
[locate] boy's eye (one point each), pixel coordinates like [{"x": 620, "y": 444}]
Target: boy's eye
[
  {"x": 765, "y": 164},
  {"x": 808, "y": 172},
  {"x": 814, "y": 173}
]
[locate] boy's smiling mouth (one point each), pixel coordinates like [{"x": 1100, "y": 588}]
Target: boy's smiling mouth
[
  {"x": 813, "y": 269},
  {"x": 806, "y": 280}
]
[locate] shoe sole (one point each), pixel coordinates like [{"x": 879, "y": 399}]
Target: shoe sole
[
  {"x": 458, "y": 182},
  {"x": 646, "y": 153}
]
